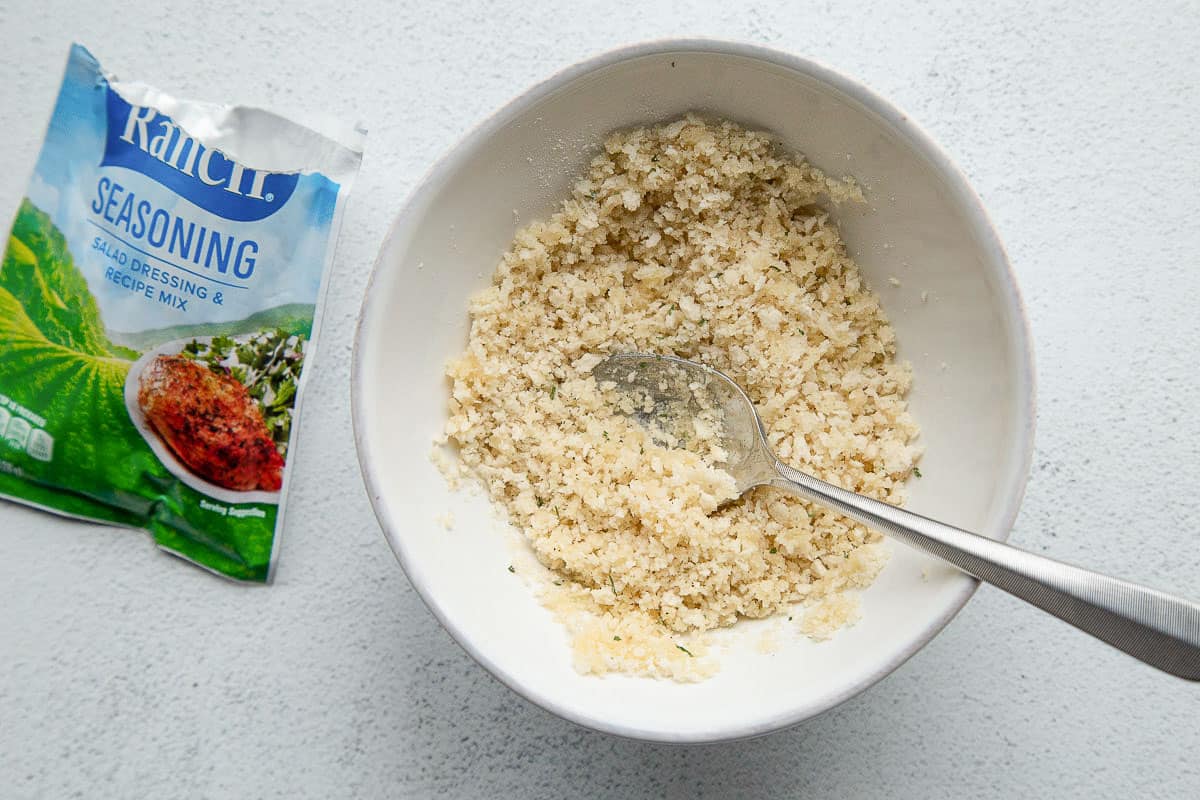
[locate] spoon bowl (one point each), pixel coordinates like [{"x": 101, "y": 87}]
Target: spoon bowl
[{"x": 667, "y": 395}]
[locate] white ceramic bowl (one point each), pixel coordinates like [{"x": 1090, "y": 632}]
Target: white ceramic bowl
[{"x": 968, "y": 343}]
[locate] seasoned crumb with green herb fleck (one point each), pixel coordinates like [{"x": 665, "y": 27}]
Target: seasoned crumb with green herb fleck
[{"x": 702, "y": 241}]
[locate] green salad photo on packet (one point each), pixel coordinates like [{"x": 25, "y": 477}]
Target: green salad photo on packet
[{"x": 159, "y": 295}]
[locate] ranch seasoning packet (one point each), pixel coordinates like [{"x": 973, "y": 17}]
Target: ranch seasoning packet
[{"x": 158, "y": 302}]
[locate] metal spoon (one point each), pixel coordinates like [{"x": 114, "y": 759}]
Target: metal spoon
[{"x": 667, "y": 394}]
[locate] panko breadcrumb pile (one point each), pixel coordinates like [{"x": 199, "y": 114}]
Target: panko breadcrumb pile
[{"x": 699, "y": 240}]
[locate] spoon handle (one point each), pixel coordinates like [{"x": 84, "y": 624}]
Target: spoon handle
[{"x": 1154, "y": 627}]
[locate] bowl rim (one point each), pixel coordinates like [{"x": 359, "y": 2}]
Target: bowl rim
[{"x": 964, "y": 197}]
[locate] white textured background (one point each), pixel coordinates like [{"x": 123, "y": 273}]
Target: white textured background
[{"x": 126, "y": 673}]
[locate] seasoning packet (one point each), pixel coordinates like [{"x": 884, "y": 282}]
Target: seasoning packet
[{"x": 159, "y": 297}]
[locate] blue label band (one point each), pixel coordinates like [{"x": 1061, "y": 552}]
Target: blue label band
[{"x": 151, "y": 143}]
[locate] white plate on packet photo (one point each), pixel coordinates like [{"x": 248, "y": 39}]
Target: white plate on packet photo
[{"x": 161, "y": 449}]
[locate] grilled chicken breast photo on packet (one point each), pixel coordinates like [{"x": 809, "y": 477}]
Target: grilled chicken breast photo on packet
[{"x": 211, "y": 423}]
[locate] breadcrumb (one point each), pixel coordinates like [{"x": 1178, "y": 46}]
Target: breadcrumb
[
  {"x": 701, "y": 241},
  {"x": 447, "y": 465},
  {"x": 823, "y": 619}
]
